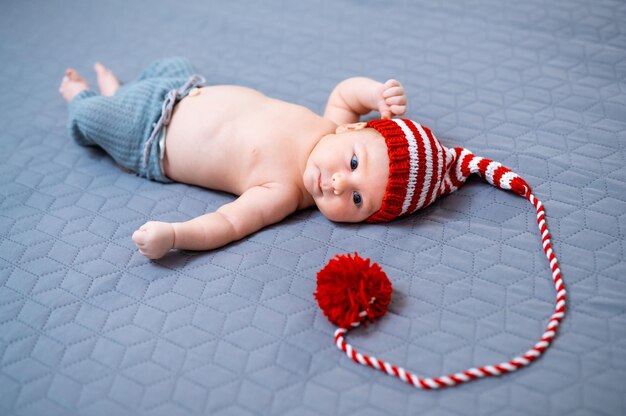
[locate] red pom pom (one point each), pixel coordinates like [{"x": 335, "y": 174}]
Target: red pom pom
[{"x": 347, "y": 286}]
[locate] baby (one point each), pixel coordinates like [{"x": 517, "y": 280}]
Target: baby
[{"x": 276, "y": 156}]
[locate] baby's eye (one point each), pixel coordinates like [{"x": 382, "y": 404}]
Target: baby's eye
[
  {"x": 354, "y": 162},
  {"x": 356, "y": 198}
]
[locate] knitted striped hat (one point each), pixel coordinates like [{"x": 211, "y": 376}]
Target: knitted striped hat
[
  {"x": 351, "y": 291},
  {"x": 421, "y": 169}
]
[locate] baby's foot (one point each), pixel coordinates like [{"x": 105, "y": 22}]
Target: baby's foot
[
  {"x": 72, "y": 84},
  {"x": 107, "y": 81}
]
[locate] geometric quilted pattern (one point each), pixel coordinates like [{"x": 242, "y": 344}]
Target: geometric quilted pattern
[{"x": 89, "y": 326}]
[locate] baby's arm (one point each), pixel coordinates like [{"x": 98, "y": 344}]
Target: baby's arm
[
  {"x": 254, "y": 209},
  {"x": 358, "y": 96}
]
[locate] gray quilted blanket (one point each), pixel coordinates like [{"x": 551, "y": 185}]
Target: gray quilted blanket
[{"x": 88, "y": 326}]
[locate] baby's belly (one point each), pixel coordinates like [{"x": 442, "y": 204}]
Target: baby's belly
[
  {"x": 191, "y": 161},
  {"x": 192, "y": 142}
]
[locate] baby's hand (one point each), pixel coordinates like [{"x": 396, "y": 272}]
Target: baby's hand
[
  {"x": 391, "y": 99},
  {"x": 154, "y": 239}
]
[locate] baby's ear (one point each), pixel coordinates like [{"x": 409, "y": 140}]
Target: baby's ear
[{"x": 350, "y": 127}]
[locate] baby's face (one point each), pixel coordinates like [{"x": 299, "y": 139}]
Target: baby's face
[{"x": 346, "y": 174}]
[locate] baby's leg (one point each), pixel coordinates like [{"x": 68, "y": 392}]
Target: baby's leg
[
  {"x": 122, "y": 123},
  {"x": 169, "y": 68},
  {"x": 113, "y": 123}
]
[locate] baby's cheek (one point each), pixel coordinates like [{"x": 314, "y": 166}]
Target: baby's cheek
[
  {"x": 346, "y": 211},
  {"x": 329, "y": 209}
]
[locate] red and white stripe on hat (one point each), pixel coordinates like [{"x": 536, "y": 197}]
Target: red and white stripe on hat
[
  {"x": 421, "y": 169},
  {"x": 493, "y": 172},
  {"x": 417, "y": 166}
]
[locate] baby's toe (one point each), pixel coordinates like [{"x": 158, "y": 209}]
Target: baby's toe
[{"x": 71, "y": 74}]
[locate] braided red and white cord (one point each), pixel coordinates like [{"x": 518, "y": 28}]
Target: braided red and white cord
[{"x": 503, "y": 179}]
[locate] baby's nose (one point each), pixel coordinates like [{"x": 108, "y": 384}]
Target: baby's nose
[{"x": 339, "y": 183}]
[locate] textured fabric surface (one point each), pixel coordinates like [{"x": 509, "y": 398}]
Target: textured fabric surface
[{"x": 88, "y": 326}]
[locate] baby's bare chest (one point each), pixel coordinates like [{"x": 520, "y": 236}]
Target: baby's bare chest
[{"x": 232, "y": 138}]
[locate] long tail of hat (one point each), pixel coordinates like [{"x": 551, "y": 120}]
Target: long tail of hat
[{"x": 461, "y": 164}]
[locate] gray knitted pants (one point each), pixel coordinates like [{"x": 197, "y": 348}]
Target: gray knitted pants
[{"x": 123, "y": 123}]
